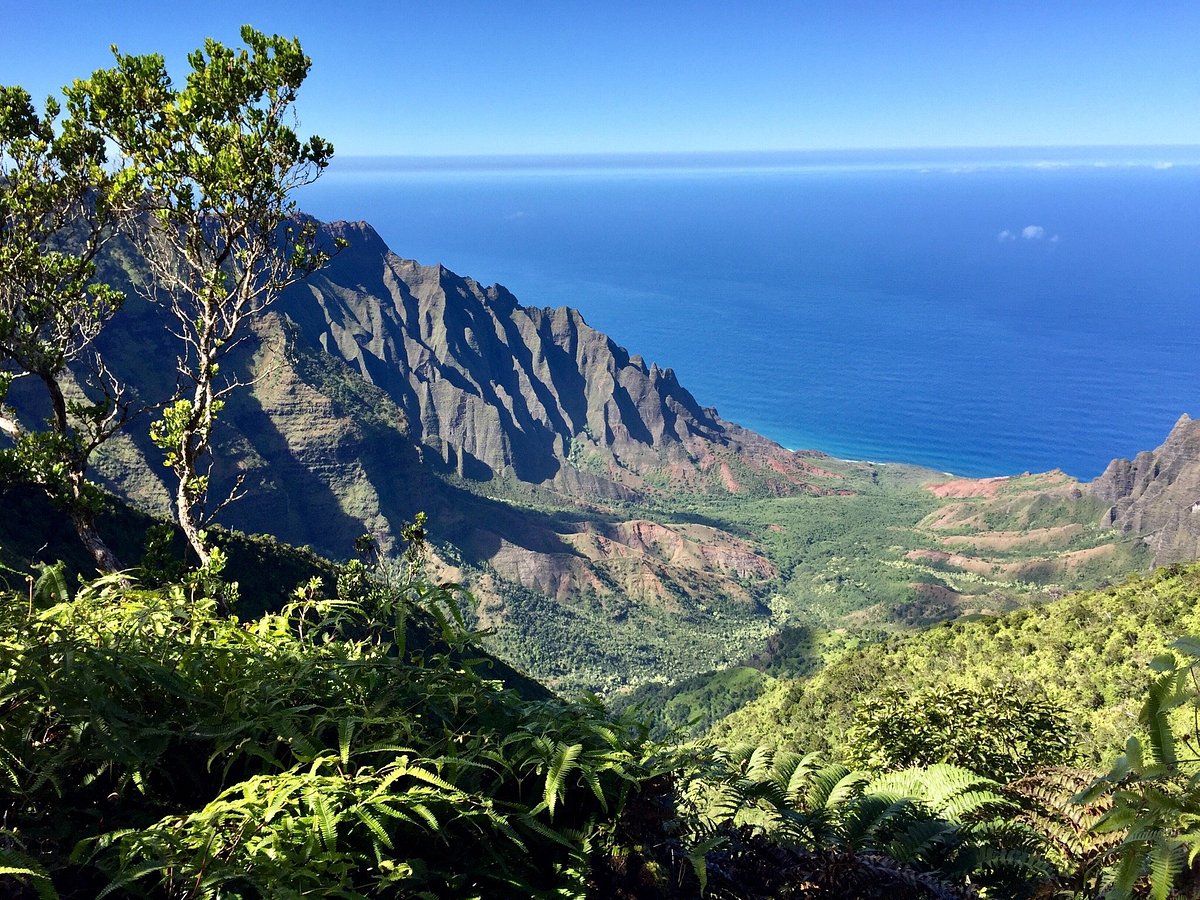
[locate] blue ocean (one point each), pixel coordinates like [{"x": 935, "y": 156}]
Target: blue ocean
[{"x": 982, "y": 312}]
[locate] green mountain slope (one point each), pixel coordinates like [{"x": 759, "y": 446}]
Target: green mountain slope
[
  {"x": 1087, "y": 652},
  {"x": 613, "y": 529}
]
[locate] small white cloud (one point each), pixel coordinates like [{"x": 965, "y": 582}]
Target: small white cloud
[
  {"x": 1006, "y": 235},
  {"x": 1163, "y": 166},
  {"x": 1033, "y": 232},
  {"x": 519, "y": 214},
  {"x": 1054, "y": 240}
]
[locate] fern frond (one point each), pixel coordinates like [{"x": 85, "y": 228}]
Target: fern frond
[
  {"x": 870, "y": 816},
  {"x": 914, "y": 842},
  {"x": 427, "y": 814},
  {"x": 364, "y": 815},
  {"x": 1129, "y": 870},
  {"x": 1166, "y": 862},
  {"x": 324, "y": 819},
  {"x": 23, "y": 868},
  {"x": 129, "y": 878},
  {"x": 345, "y": 732},
  {"x": 799, "y": 770},
  {"x": 545, "y": 831},
  {"x": 971, "y": 805},
  {"x": 832, "y": 785},
  {"x": 1164, "y": 695},
  {"x": 759, "y": 766},
  {"x": 431, "y": 778},
  {"x": 556, "y": 775}
]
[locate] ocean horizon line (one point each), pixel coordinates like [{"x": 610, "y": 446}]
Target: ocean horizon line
[{"x": 1150, "y": 156}]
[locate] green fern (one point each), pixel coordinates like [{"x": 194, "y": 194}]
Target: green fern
[
  {"x": 321, "y": 743},
  {"x": 1068, "y": 829},
  {"x": 1153, "y": 792},
  {"x": 23, "y": 870}
]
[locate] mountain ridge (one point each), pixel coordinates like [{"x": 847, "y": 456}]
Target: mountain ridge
[
  {"x": 588, "y": 498},
  {"x": 498, "y": 389}
]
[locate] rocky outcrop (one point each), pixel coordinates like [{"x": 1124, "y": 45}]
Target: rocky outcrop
[
  {"x": 644, "y": 561},
  {"x": 1157, "y": 494},
  {"x": 495, "y": 389},
  {"x": 381, "y": 387}
]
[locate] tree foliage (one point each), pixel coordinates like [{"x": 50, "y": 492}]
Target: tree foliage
[
  {"x": 217, "y": 162},
  {"x": 998, "y": 731},
  {"x": 1084, "y": 653},
  {"x": 59, "y": 204}
]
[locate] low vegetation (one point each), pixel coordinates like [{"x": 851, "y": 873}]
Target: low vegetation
[
  {"x": 151, "y": 746},
  {"x": 355, "y": 743},
  {"x": 1085, "y": 654}
]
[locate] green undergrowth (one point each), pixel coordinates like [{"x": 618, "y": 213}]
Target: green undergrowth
[
  {"x": 1086, "y": 653},
  {"x": 151, "y": 746},
  {"x": 356, "y": 744}
]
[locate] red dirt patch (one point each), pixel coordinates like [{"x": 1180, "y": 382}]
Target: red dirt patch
[
  {"x": 819, "y": 471},
  {"x": 731, "y": 483},
  {"x": 1055, "y": 535},
  {"x": 968, "y": 487}
]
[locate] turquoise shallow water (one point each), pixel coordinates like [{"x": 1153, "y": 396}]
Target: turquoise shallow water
[{"x": 977, "y": 316}]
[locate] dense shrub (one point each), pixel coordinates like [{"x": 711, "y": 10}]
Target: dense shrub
[
  {"x": 150, "y": 743},
  {"x": 999, "y": 732}
]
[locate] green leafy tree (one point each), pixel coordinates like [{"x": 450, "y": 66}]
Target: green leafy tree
[
  {"x": 59, "y": 203},
  {"x": 995, "y": 731},
  {"x": 217, "y": 162}
]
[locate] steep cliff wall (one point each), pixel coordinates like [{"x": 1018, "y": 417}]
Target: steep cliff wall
[
  {"x": 1157, "y": 494},
  {"x": 498, "y": 389},
  {"x": 381, "y": 387}
]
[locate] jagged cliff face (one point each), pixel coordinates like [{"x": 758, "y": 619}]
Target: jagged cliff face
[
  {"x": 1157, "y": 494},
  {"x": 495, "y": 389},
  {"x": 381, "y": 387},
  {"x": 566, "y": 475}
]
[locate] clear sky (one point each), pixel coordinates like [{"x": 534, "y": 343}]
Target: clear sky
[{"x": 603, "y": 76}]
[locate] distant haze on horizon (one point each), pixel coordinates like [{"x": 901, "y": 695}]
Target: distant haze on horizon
[
  {"x": 556, "y": 78},
  {"x": 964, "y": 158}
]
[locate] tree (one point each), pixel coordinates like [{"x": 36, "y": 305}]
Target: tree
[
  {"x": 59, "y": 203},
  {"x": 998, "y": 732},
  {"x": 217, "y": 162}
]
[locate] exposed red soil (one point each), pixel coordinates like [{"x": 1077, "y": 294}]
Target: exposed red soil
[
  {"x": 731, "y": 483},
  {"x": 968, "y": 487}
]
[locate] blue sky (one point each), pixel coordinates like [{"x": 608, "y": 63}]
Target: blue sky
[{"x": 457, "y": 77}]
